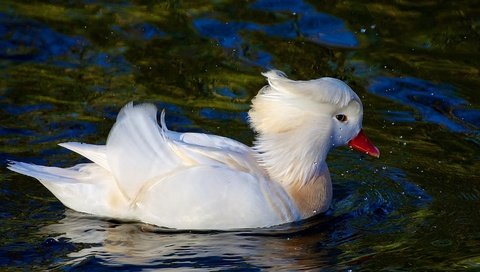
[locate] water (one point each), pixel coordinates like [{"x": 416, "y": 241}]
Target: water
[{"x": 66, "y": 69}]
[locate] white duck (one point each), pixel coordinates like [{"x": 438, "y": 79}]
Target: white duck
[{"x": 148, "y": 173}]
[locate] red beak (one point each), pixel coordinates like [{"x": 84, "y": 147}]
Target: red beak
[{"x": 363, "y": 144}]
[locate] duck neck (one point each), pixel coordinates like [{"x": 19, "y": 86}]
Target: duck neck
[
  {"x": 314, "y": 197},
  {"x": 290, "y": 159}
]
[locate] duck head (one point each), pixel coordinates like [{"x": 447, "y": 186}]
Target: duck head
[{"x": 298, "y": 122}]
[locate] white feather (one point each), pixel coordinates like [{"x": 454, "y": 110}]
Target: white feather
[
  {"x": 86, "y": 188},
  {"x": 95, "y": 153},
  {"x": 323, "y": 90},
  {"x": 137, "y": 150}
]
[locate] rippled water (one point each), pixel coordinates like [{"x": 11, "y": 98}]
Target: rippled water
[{"x": 66, "y": 69}]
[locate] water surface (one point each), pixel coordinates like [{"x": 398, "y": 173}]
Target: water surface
[{"x": 66, "y": 70}]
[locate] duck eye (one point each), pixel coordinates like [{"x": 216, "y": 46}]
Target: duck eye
[{"x": 341, "y": 117}]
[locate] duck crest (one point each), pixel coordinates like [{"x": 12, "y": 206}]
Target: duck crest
[{"x": 294, "y": 136}]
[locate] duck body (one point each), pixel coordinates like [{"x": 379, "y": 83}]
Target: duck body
[{"x": 148, "y": 173}]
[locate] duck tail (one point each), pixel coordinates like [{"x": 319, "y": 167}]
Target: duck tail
[{"x": 84, "y": 187}]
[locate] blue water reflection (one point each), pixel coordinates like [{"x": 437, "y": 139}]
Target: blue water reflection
[
  {"x": 282, "y": 5},
  {"x": 226, "y": 33},
  {"x": 211, "y": 113},
  {"x": 435, "y": 103},
  {"x": 12, "y": 109},
  {"x": 303, "y": 21},
  {"x": 66, "y": 130},
  {"x": 25, "y": 40},
  {"x": 307, "y": 22},
  {"x": 229, "y": 93}
]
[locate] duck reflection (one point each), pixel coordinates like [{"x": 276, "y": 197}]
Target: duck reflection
[{"x": 294, "y": 246}]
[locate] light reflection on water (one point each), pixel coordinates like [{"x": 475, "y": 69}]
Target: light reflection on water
[
  {"x": 303, "y": 21},
  {"x": 435, "y": 103},
  {"x": 135, "y": 244}
]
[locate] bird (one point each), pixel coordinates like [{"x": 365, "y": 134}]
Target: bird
[{"x": 197, "y": 181}]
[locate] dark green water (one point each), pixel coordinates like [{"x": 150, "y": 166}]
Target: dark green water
[{"x": 66, "y": 69}]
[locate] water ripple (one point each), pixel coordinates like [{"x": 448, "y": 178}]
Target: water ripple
[
  {"x": 307, "y": 22},
  {"x": 25, "y": 40},
  {"x": 435, "y": 103}
]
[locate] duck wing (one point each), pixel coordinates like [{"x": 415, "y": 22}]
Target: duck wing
[{"x": 138, "y": 150}]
